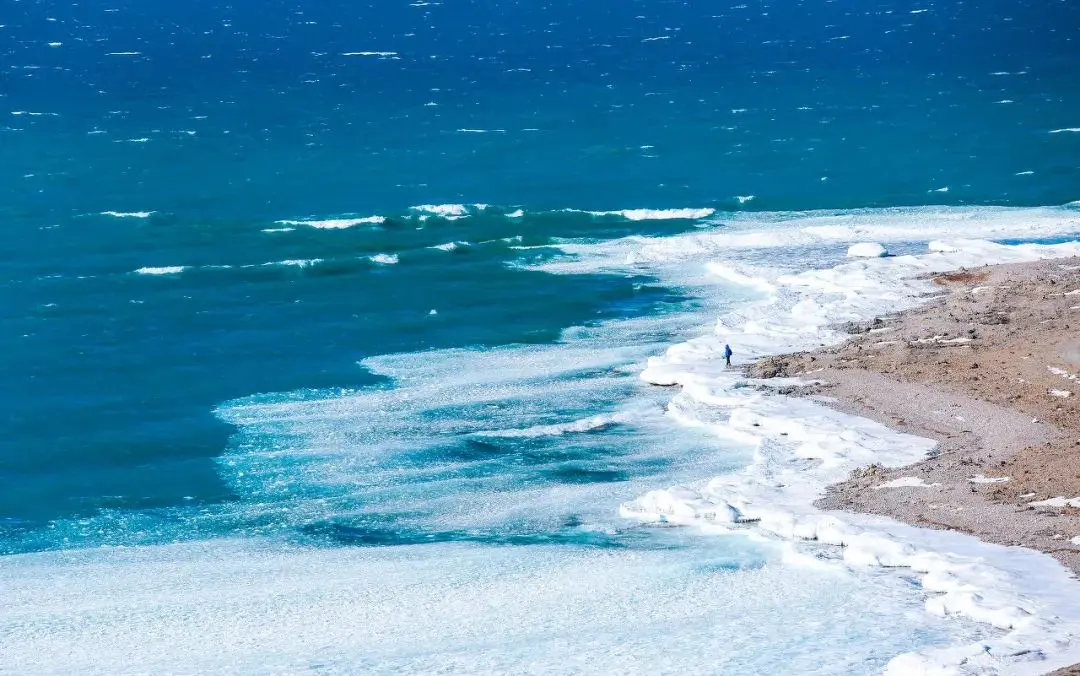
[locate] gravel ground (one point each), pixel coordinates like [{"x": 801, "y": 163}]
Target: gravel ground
[{"x": 984, "y": 369}]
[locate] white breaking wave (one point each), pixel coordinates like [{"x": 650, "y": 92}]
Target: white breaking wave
[
  {"x": 128, "y": 214},
  {"x": 905, "y": 482},
  {"x": 336, "y": 223},
  {"x": 167, "y": 270},
  {"x": 299, "y": 263},
  {"x": 379, "y": 54},
  {"x": 448, "y": 211},
  {"x": 1060, "y": 501},
  {"x": 753, "y": 233},
  {"x": 652, "y": 214},
  {"x": 1065, "y": 130},
  {"x": 384, "y": 259},
  {"x": 451, "y": 246}
]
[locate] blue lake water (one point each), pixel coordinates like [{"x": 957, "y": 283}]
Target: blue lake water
[{"x": 187, "y": 356}]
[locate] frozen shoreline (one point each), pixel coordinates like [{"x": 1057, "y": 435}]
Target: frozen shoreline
[{"x": 804, "y": 447}]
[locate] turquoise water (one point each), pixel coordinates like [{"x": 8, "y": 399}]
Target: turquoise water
[{"x": 358, "y": 387}]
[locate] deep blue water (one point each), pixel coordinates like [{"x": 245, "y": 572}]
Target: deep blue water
[{"x": 223, "y": 119}]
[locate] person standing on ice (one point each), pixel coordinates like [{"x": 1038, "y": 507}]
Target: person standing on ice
[{"x": 727, "y": 354}]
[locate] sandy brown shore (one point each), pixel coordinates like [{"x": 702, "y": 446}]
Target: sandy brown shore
[{"x": 989, "y": 368}]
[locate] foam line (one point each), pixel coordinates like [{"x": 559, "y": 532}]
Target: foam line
[
  {"x": 167, "y": 270},
  {"x": 801, "y": 237},
  {"x": 240, "y": 606},
  {"x": 802, "y": 447},
  {"x": 334, "y": 223}
]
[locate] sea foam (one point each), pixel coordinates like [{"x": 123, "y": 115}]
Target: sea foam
[
  {"x": 128, "y": 214},
  {"x": 803, "y": 446},
  {"x": 794, "y": 235},
  {"x": 654, "y": 214},
  {"x": 493, "y": 609},
  {"x": 167, "y": 270},
  {"x": 335, "y": 223},
  {"x": 447, "y": 211},
  {"x": 451, "y": 246}
]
